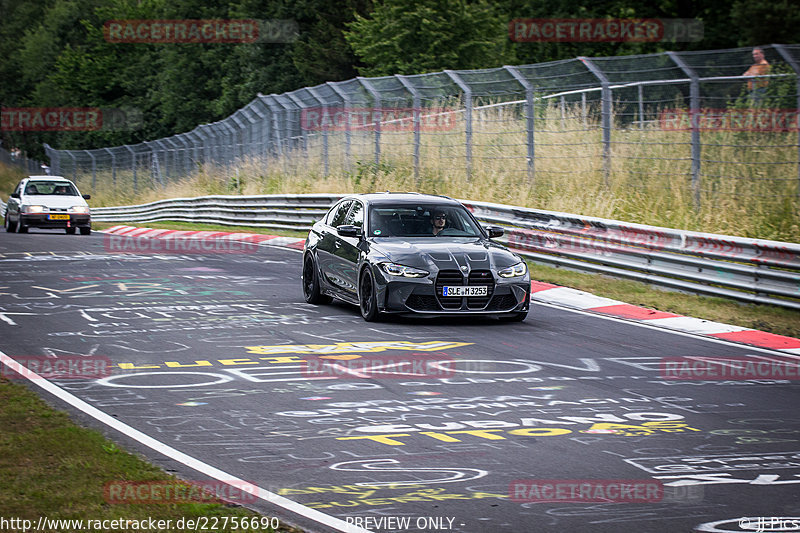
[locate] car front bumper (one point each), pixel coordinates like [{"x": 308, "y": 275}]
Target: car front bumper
[
  {"x": 42, "y": 220},
  {"x": 420, "y": 296}
]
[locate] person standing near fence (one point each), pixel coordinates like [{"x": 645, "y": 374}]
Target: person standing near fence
[{"x": 760, "y": 67}]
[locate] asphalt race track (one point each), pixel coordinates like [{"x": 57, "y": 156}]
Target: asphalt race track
[{"x": 559, "y": 423}]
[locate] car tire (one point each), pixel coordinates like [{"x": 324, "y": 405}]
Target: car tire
[
  {"x": 367, "y": 299},
  {"x": 86, "y": 231},
  {"x": 10, "y": 226},
  {"x": 70, "y": 231},
  {"x": 21, "y": 228},
  {"x": 311, "y": 289}
]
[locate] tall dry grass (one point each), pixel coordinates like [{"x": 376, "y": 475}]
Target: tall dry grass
[{"x": 748, "y": 185}]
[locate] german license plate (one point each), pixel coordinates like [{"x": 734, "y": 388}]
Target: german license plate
[
  {"x": 480, "y": 290},
  {"x": 58, "y": 217}
]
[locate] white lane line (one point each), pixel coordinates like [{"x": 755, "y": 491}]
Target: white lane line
[
  {"x": 172, "y": 453},
  {"x": 663, "y": 329}
]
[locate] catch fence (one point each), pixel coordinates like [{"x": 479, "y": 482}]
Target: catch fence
[{"x": 686, "y": 123}]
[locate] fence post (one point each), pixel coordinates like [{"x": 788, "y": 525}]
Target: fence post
[
  {"x": 94, "y": 171},
  {"x": 55, "y": 159},
  {"x": 796, "y": 67},
  {"x": 74, "y": 165},
  {"x": 113, "y": 168},
  {"x": 133, "y": 166},
  {"x": 303, "y": 130},
  {"x": 641, "y": 106},
  {"x": 605, "y": 118},
  {"x": 467, "y": 118},
  {"x": 160, "y": 144},
  {"x": 377, "y": 125},
  {"x": 416, "y": 110},
  {"x": 694, "y": 109},
  {"x": 530, "y": 118},
  {"x": 348, "y": 106},
  {"x": 313, "y": 92}
]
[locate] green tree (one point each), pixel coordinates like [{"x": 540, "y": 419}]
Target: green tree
[{"x": 413, "y": 37}]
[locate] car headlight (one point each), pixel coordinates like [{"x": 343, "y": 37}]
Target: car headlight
[
  {"x": 78, "y": 209},
  {"x": 393, "y": 269},
  {"x": 33, "y": 208},
  {"x": 514, "y": 270}
]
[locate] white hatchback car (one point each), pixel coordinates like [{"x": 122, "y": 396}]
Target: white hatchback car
[{"x": 47, "y": 202}]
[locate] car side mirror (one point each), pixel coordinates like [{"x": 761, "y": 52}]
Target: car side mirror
[
  {"x": 15, "y": 195},
  {"x": 495, "y": 231},
  {"x": 348, "y": 231},
  {"x": 87, "y": 196}
]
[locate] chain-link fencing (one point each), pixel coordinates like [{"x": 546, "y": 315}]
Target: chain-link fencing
[
  {"x": 675, "y": 123},
  {"x": 20, "y": 159}
]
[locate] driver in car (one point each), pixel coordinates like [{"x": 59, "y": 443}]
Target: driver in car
[{"x": 438, "y": 221}]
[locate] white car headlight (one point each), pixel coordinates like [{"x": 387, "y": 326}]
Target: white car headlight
[
  {"x": 33, "y": 209},
  {"x": 393, "y": 269},
  {"x": 78, "y": 209},
  {"x": 514, "y": 270}
]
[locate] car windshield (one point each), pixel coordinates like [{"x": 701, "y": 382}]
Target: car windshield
[
  {"x": 60, "y": 188},
  {"x": 426, "y": 220}
]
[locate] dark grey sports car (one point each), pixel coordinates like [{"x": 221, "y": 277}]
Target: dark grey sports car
[{"x": 412, "y": 253}]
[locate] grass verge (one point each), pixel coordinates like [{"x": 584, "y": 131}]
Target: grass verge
[
  {"x": 49, "y": 467},
  {"x": 768, "y": 318}
]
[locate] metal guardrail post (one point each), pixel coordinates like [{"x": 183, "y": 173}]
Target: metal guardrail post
[
  {"x": 347, "y": 134},
  {"x": 530, "y": 120},
  {"x": 417, "y": 104},
  {"x": 694, "y": 113},
  {"x": 113, "y": 167},
  {"x": 796, "y": 67},
  {"x": 377, "y": 125},
  {"x": 606, "y": 119},
  {"x": 325, "y": 160},
  {"x": 467, "y": 118}
]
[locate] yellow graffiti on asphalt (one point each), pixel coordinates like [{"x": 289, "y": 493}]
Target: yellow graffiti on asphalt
[
  {"x": 366, "y": 497},
  {"x": 351, "y": 347}
]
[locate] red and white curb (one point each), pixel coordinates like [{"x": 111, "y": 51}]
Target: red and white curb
[
  {"x": 253, "y": 238},
  {"x": 545, "y": 292},
  {"x": 540, "y": 291}
]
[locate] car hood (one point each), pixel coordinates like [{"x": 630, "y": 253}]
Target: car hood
[
  {"x": 53, "y": 200},
  {"x": 435, "y": 253}
]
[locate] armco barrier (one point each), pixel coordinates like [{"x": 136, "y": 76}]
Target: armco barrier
[{"x": 750, "y": 270}]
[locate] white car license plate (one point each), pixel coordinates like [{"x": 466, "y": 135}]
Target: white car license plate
[{"x": 479, "y": 290}]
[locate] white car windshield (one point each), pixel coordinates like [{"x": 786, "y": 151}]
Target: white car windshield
[
  {"x": 59, "y": 188},
  {"x": 421, "y": 221}
]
